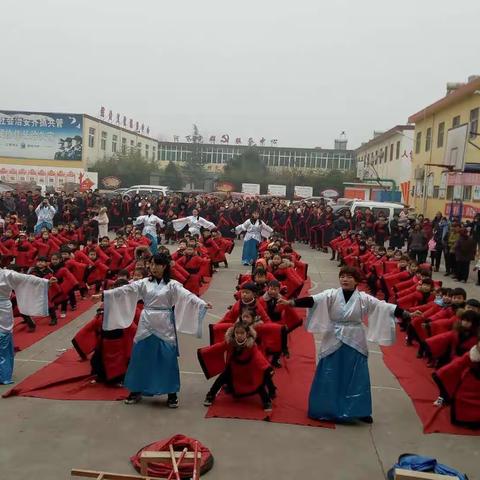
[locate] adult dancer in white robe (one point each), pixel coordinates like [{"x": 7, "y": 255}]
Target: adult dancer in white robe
[
  {"x": 150, "y": 222},
  {"x": 168, "y": 308},
  {"x": 194, "y": 222},
  {"x": 256, "y": 229},
  {"x": 32, "y": 299},
  {"x": 341, "y": 387}
]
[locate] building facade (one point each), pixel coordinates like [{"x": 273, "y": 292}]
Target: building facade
[
  {"x": 51, "y": 149},
  {"x": 388, "y": 157},
  {"x": 102, "y": 139},
  {"x": 434, "y": 189},
  {"x": 216, "y": 156}
]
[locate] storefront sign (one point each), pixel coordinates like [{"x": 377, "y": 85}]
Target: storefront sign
[
  {"x": 251, "y": 188},
  {"x": 277, "y": 190},
  {"x": 303, "y": 191},
  {"x": 330, "y": 193},
  {"x": 47, "y": 176}
]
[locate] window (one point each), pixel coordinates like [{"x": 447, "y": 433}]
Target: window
[
  {"x": 386, "y": 154},
  {"x": 397, "y": 151},
  {"x": 91, "y": 137},
  {"x": 467, "y": 192},
  {"x": 103, "y": 141},
  {"x": 456, "y": 121},
  {"x": 474, "y": 123},
  {"x": 450, "y": 192},
  {"x": 153, "y": 153},
  {"x": 132, "y": 143},
  {"x": 441, "y": 134},
  {"x": 418, "y": 142},
  {"x": 436, "y": 190},
  {"x": 428, "y": 139},
  {"x": 391, "y": 152},
  {"x": 147, "y": 151},
  {"x": 124, "y": 145},
  {"x": 114, "y": 143}
]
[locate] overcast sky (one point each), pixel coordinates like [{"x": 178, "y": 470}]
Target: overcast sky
[{"x": 300, "y": 71}]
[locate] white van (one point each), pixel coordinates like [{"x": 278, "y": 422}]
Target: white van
[
  {"x": 388, "y": 209},
  {"x": 144, "y": 190}
]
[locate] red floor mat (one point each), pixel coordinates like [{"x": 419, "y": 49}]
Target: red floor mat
[
  {"x": 67, "y": 378},
  {"x": 23, "y": 339},
  {"x": 293, "y": 381},
  {"x": 416, "y": 379}
]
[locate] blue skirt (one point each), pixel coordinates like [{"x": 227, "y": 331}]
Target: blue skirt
[
  {"x": 341, "y": 387},
  {"x": 6, "y": 358},
  {"x": 153, "y": 368},
  {"x": 250, "y": 251},
  {"x": 153, "y": 243}
]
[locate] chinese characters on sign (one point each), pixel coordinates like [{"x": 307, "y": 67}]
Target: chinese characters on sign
[
  {"x": 122, "y": 120},
  {"x": 40, "y": 135},
  {"x": 225, "y": 139}
]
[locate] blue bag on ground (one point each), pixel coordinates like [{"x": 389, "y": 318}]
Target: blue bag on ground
[{"x": 419, "y": 463}]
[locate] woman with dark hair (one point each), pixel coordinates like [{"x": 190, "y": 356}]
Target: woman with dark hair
[
  {"x": 194, "y": 222},
  {"x": 153, "y": 368},
  {"x": 256, "y": 229},
  {"x": 341, "y": 387}
]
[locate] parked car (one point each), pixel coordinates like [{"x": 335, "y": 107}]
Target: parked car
[
  {"x": 143, "y": 190},
  {"x": 388, "y": 209}
]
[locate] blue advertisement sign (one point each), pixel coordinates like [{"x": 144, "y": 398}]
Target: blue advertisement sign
[{"x": 39, "y": 135}]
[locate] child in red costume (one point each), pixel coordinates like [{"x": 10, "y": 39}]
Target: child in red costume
[{"x": 245, "y": 369}]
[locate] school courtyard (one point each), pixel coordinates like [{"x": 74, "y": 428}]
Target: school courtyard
[{"x": 44, "y": 439}]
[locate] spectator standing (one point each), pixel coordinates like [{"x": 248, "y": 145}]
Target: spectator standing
[
  {"x": 465, "y": 248},
  {"x": 418, "y": 244},
  {"x": 45, "y": 213}
]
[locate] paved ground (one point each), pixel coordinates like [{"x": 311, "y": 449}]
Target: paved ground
[{"x": 43, "y": 439}]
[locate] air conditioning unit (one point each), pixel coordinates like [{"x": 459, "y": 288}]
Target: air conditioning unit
[{"x": 419, "y": 173}]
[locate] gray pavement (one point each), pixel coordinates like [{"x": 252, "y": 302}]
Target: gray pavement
[{"x": 44, "y": 439}]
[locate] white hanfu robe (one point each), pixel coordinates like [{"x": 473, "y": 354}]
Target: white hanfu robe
[
  {"x": 341, "y": 387},
  {"x": 150, "y": 223},
  {"x": 153, "y": 368},
  {"x": 194, "y": 224},
  {"x": 32, "y": 299},
  {"x": 255, "y": 231}
]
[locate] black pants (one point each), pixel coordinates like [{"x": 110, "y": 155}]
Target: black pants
[
  {"x": 419, "y": 256},
  {"x": 266, "y": 391},
  {"x": 436, "y": 258},
  {"x": 462, "y": 269},
  {"x": 72, "y": 299},
  {"x": 449, "y": 261}
]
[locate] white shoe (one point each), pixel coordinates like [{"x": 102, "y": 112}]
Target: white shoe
[
  {"x": 439, "y": 402},
  {"x": 63, "y": 315}
]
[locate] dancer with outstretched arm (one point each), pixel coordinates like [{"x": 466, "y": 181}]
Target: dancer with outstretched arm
[
  {"x": 168, "y": 309},
  {"x": 256, "y": 229},
  {"x": 341, "y": 387},
  {"x": 32, "y": 300}
]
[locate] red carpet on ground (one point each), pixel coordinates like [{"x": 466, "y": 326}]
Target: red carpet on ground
[
  {"x": 416, "y": 379},
  {"x": 293, "y": 381},
  {"x": 23, "y": 339},
  {"x": 67, "y": 378}
]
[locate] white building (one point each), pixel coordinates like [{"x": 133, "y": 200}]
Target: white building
[
  {"x": 388, "y": 156},
  {"x": 102, "y": 139}
]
